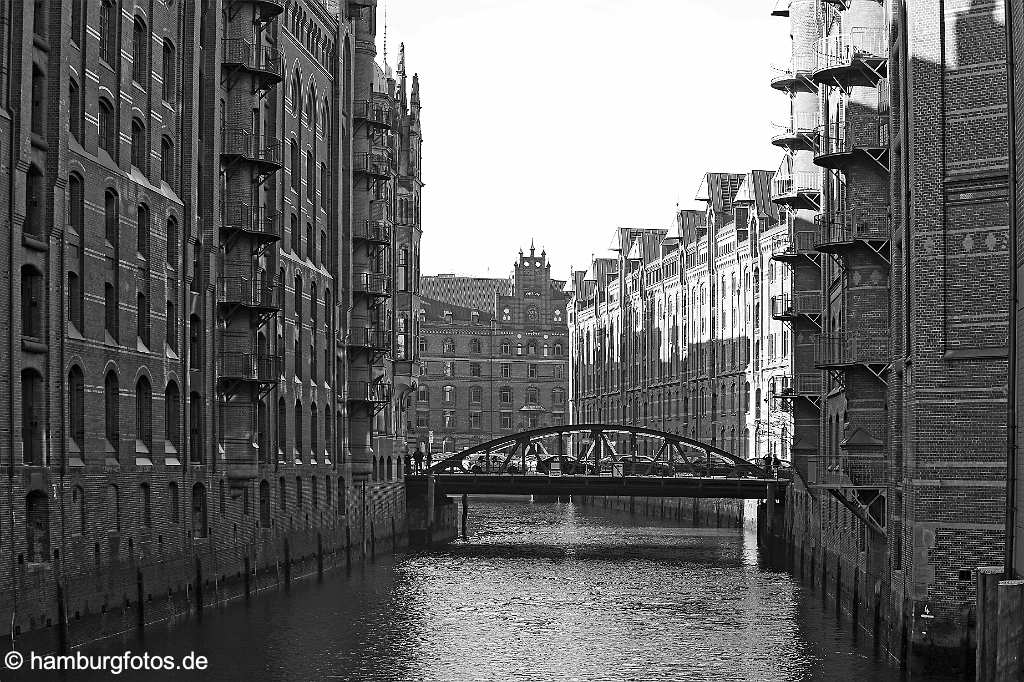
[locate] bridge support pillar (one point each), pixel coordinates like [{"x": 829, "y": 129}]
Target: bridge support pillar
[{"x": 465, "y": 516}]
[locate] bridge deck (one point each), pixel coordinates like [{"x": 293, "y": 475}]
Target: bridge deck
[{"x": 647, "y": 486}]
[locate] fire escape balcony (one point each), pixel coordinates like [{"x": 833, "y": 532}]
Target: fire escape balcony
[
  {"x": 237, "y": 368},
  {"x": 258, "y": 295},
  {"x": 374, "y": 165},
  {"x": 799, "y": 134},
  {"x": 377, "y": 394},
  {"x": 376, "y": 284},
  {"x": 796, "y": 189},
  {"x": 380, "y": 110},
  {"x": 261, "y": 226},
  {"x": 855, "y": 58},
  {"x": 804, "y": 305},
  {"x": 243, "y": 146},
  {"x": 797, "y": 245},
  {"x": 373, "y": 231},
  {"x": 840, "y": 231},
  {"x": 264, "y": 63},
  {"x": 796, "y": 76},
  {"x": 805, "y": 386},
  {"x": 842, "y": 352},
  {"x": 858, "y": 481},
  {"x": 844, "y": 143},
  {"x": 377, "y": 341}
]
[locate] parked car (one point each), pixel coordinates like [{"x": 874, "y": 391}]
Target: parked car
[
  {"x": 477, "y": 464},
  {"x": 568, "y": 464},
  {"x": 640, "y": 465}
]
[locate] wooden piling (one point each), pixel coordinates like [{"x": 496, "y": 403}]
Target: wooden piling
[
  {"x": 465, "y": 516},
  {"x": 987, "y": 617},
  {"x": 1010, "y": 638}
]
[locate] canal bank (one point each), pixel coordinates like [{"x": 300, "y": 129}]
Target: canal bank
[{"x": 539, "y": 591}]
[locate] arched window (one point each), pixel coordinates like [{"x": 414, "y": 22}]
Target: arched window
[
  {"x": 298, "y": 300},
  {"x": 313, "y": 307},
  {"x": 558, "y": 349},
  {"x": 37, "y": 527},
  {"x": 31, "y": 302},
  {"x": 142, "y": 315},
  {"x": 110, "y": 216},
  {"x": 296, "y": 172},
  {"x": 448, "y": 394},
  {"x": 324, "y": 185},
  {"x": 171, "y": 327},
  {"x": 144, "y": 227},
  {"x": 34, "y": 200},
  {"x": 76, "y": 21},
  {"x": 32, "y": 417},
  {"x": 298, "y": 430},
  {"x": 38, "y": 101},
  {"x": 172, "y": 502},
  {"x": 282, "y": 429},
  {"x": 310, "y": 175},
  {"x": 111, "y": 412},
  {"x": 143, "y": 416},
  {"x": 140, "y": 145},
  {"x": 296, "y": 93},
  {"x": 314, "y": 416},
  {"x": 140, "y": 52},
  {"x": 169, "y": 72},
  {"x": 75, "y": 110},
  {"x": 167, "y": 160},
  {"x": 328, "y": 438},
  {"x": 506, "y": 348},
  {"x": 199, "y": 510},
  {"x": 195, "y": 428},
  {"x": 76, "y": 408},
  {"x": 108, "y": 32},
  {"x": 107, "y": 139},
  {"x": 519, "y": 349},
  {"x": 172, "y": 416}
]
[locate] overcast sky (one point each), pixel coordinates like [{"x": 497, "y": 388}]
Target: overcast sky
[{"x": 562, "y": 119}]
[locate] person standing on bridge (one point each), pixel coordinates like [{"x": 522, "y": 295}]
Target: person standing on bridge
[{"x": 418, "y": 456}]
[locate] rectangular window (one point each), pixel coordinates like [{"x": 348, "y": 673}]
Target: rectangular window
[
  {"x": 422, "y": 419},
  {"x": 506, "y": 420},
  {"x": 506, "y": 371},
  {"x": 474, "y": 369},
  {"x": 532, "y": 371},
  {"x": 476, "y": 421}
]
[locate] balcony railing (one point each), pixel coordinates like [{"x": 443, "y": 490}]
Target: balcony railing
[
  {"x": 851, "y": 472},
  {"x": 786, "y": 184},
  {"x": 373, "y": 283},
  {"x": 799, "y": 132},
  {"x": 378, "y": 165},
  {"x": 380, "y": 110},
  {"x": 837, "y": 229},
  {"x": 856, "y": 57},
  {"x": 848, "y": 349},
  {"x": 789, "y": 306},
  {"x": 239, "y": 366},
  {"x": 370, "y": 392},
  {"x": 840, "y": 141},
  {"x": 377, "y": 231},
  {"x": 263, "y": 149},
  {"x": 256, "y": 221},
  {"x": 252, "y": 292},
  {"x": 371, "y": 337},
  {"x": 795, "y": 76},
  {"x": 266, "y": 61}
]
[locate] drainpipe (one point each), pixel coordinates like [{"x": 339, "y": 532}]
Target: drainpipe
[{"x": 1011, "y": 417}]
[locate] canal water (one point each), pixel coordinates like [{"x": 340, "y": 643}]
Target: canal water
[{"x": 550, "y": 591}]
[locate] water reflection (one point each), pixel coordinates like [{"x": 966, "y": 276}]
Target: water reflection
[{"x": 540, "y": 591}]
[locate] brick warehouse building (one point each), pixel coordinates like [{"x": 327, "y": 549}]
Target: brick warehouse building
[
  {"x": 676, "y": 329},
  {"x": 199, "y": 361},
  {"x": 895, "y": 181},
  {"x": 491, "y": 367}
]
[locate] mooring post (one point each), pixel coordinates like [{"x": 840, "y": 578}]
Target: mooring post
[
  {"x": 987, "y": 617},
  {"x": 465, "y": 516},
  {"x": 1010, "y": 651}
]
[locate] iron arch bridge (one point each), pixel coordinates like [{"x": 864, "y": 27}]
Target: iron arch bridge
[{"x": 601, "y": 459}]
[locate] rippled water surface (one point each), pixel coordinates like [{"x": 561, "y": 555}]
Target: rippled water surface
[{"x": 539, "y": 592}]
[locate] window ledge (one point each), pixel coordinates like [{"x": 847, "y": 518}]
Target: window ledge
[
  {"x": 143, "y": 462},
  {"x": 32, "y": 345},
  {"x": 31, "y": 241}
]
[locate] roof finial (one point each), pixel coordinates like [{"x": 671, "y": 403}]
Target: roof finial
[
  {"x": 531, "y": 247},
  {"x": 385, "y": 31}
]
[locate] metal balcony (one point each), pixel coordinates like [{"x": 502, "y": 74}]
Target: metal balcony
[
  {"x": 370, "y": 392},
  {"x": 372, "y": 339},
  {"x": 858, "y": 481},
  {"x": 235, "y": 368},
  {"x": 846, "y": 351},
  {"x": 258, "y": 295},
  {"x": 373, "y": 165},
  {"x": 239, "y": 438},
  {"x": 373, "y": 231},
  {"x": 796, "y": 189},
  {"x": 372, "y": 284},
  {"x": 263, "y": 63},
  {"x": 240, "y": 145},
  {"x": 841, "y": 144},
  {"x": 799, "y": 134},
  {"x": 258, "y": 224},
  {"x": 840, "y": 231},
  {"x": 796, "y": 76},
  {"x": 798, "y": 244},
  {"x": 804, "y": 305},
  {"x": 858, "y": 57},
  {"x": 807, "y": 386},
  {"x": 381, "y": 110}
]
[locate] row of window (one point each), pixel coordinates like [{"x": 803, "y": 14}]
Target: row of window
[
  {"x": 449, "y": 420},
  {"x": 504, "y": 395},
  {"x": 37, "y": 509},
  {"x": 475, "y": 346},
  {"x": 476, "y": 370}
]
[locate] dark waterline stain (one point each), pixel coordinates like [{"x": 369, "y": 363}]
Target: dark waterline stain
[{"x": 539, "y": 591}]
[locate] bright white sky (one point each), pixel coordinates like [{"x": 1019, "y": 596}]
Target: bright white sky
[{"x": 562, "y": 119}]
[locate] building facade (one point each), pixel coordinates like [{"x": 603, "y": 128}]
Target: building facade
[
  {"x": 490, "y": 370},
  {"x": 895, "y": 181},
  {"x": 208, "y": 206},
  {"x": 682, "y": 330}
]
